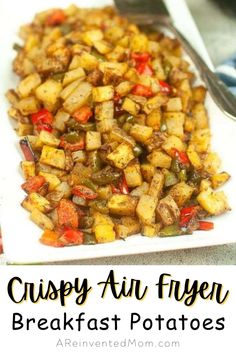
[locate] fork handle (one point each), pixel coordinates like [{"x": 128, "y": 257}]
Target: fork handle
[{"x": 220, "y": 93}]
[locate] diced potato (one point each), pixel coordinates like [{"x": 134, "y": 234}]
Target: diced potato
[
  {"x": 146, "y": 209},
  {"x": 139, "y": 191},
  {"x": 174, "y": 105},
  {"x": 114, "y": 33},
  {"x": 73, "y": 75},
  {"x": 118, "y": 134},
  {"x": 199, "y": 94},
  {"x": 103, "y": 93},
  {"x": 121, "y": 156},
  {"x": 78, "y": 98},
  {"x": 43, "y": 221},
  {"x": 219, "y": 179},
  {"x": 102, "y": 46},
  {"x": 154, "y": 119},
  {"x": 106, "y": 125},
  {"x": 79, "y": 156},
  {"x": 101, "y": 219},
  {"x": 133, "y": 174},
  {"x": 28, "y": 169},
  {"x": 168, "y": 211},
  {"x": 156, "y": 185},
  {"x": 151, "y": 230},
  {"x": 189, "y": 124},
  {"x": 104, "y": 233},
  {"x": 141, "y": 133},
  {"x": 139, "y": 43},
  {"x": 35, "y": 143},
  {"x": 88, "y": 61},
  {"x": 67, "y": 91},
  {"x": 36, "y": 201},
  {"x": 60, "y": 120},
  {"x": 129, "y": 226},
  {"x": 121, "y": 204},
  {"x": 49, "y": 91},
  {"x": 114, "y": 68},
  {"x": 204, "y": 185},
  {"x": 124, "y": 88},
  {"x": 24, "y": 129},
  {"x": 105, "y": 192},
  {"x": 175, "y": 123},
  {"x": 212, "y": 163},
  {"x": 159, "y": 159},
  {"x": 92, "y": 36},
  {"x": 130, "y": 106},
  {"x": 181, "y": 193},
  {"x": 48, "y": 139},
  {"x": 194, "y": 157},
  {"x": 53, "y": 157},
  {"x": 173, "y": 142},
  {"x": 93, "y": 140},
  {"x": 200, "y": 116},
  {"x": 51, "y": 179},
  {"x": 155, "y": 103},
  {"x": 64, "y": 188},
  {"x": 148, "y": 171},
  {"x": 49, "y": 169},
  {"x": 28, "y": 105},
  {"x": 27, "y": 86},
  {"x": 215, "y": 203},
  {"x": 201, "y": 140},
  {"x": 104, "y": 111}
]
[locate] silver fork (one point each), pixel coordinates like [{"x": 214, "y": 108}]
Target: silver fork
[{"x": 154, "y": 12}]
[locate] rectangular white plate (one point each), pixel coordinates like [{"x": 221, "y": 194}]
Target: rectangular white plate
[{"x": 20, "y": 236}]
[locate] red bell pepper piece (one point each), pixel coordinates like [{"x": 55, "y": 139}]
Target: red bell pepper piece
[
  {"x": 142, "y": 90},
  {"x": 123, "y": 186},
  {"x": 51, "y": 238},
  {"x": 42, "y": 116},
  {"x": 57, "y": 17},
  {"x": 186, "y": 214},
  {"x": 44, "y": 126},
  {"x": 67, "y": 214},
  {"x": 115, "y": 190},
  {"x": 144, "y": 68},
  {"x": 141, "y": 57},
  {"x": 84, "y": 192},
  {"x": 27, "y": 149},
  {"x": 117, "y": 98},
  {"x": 72, "y": 147},
  {"x": 33, "y": 184},
  {"x": 205, "y": 225},
  {"x": 181, "y": 156},
  {"x": 164, "y": 87},
  {"x": 83, "y": 114},
  {"x": 71, "y": 236}
]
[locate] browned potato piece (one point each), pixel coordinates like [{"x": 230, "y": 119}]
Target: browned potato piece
[
  {"x": 181, "y": 193},
  {"x": 121, "y": 204},
  {"x": 168, "y": 211},
  {"x": 156, "y": 184},
  {"x": 146, "y": 209},
  {"x": 159, "y": 159},
  {"x": 219, "y": 179},
  {"x": 133, "y": 174}
]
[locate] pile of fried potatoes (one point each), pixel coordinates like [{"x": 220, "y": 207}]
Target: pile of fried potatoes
[{"x": 115, "y": 135}]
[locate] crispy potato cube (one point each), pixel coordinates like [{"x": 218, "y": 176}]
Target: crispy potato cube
[
  {"x": 36, "y": 201},
  {"x": 92, "y": 36},
  {"x": 215, "y": 203},
  {"x": 175, "y": 123},
  {"x": 159, "y": 159},
  {"x": 121, "y": 204},
  {"x": 146, "y": 209},
  {"x": 133, "y": 174},
  {"x": 93, "y": 140},
  {"x": 28, "y": 169},
  {"x": 24, "y": 129},
  {"x": 64, "y": 188},
  {"x": 219, "y": 179},
  {"x": 51, "y": 179},
  {"x": 201, "y": 140},
  {"x": 181, "y": 193},
  {"x": 53, "y": 157},
  {"x": 48, "y": 139},
  {"x": 104, "y": 111},
  {"x": 103, "y": 93},
  {"x": 73, "y": 75},
  {"x": 104, "y": 233},
  {"x": 139, "y": 43},
  {"x": 148, "y": 171},
  {"x": 204, "y": 185},
  {"x": 88, "y": 61},
  {"x": 119, "y": 135},
  {"x": 212, "y": 163},
  {"x": 78, "y": 98},
  {"x": 118, "y": 69},
  {"x": 200, "y": 116},
  {"x": 168, "y": 211},
  {"x": 121, "y": 156},
  {"x": 199, "y": 94},
  {"x": 124, "y": 88},
  {"x": 43, "y": 221},
  {"x": 154, "y": 119},
  {"x": 189, "y": 124},
  {"x": 156, "y": 185},
  {"x": 67, "y": 90},
  {"x": 173, "y": 142},
  {"x": 102, "y": 46},
  {"x": 141, "y": 133},
  {"x": 28, "y": 105},
  {"x": 194, "y": 157},
  {"x": 130, "y": 106},
  {"x": 60, "y": 120},
  {"x": 101, "y": 219},
  {"x": 139, "y": 191},
  {"x": 129, "y": 226},
  {"x": 151, "y": 230},
  {"x": 104, "y": 192},
  {"x": 174, "y": 104},
  {"x": 49, "y": 91},
  {"x": 27, "y": 86}
]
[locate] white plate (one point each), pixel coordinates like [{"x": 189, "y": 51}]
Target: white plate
[{"x": 20, "y": 236}]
